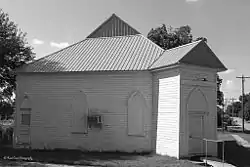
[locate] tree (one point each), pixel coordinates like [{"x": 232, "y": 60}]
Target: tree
[
  {"x": 220, "y": 95},
  {"x": 201, "y": 38},
  {"x": 14, "y": 52},
  {"x": 246, "y": 106},
  {"x": 168, "y": 38},
  {"x": 6, "y": 110},
  {"x": 234, "y": 108}
]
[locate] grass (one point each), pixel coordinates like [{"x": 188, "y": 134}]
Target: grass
[{"x": 72, "y": 157}]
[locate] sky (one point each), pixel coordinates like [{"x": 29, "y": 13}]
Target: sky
[{"x": 54, "y": 24}]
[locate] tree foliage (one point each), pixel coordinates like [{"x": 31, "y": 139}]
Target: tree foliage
[
  {"x": 168, "y": 38},
  {"x": 6, "y": 110},
  {"x": 236, "y": 107},
  {"x": 220, "y": 95},
  {"x": 14, "y": 52},
  {"x": 171, "y": 37}
]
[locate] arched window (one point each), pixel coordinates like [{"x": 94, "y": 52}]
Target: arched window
[
  {"x": 197, "y": 101},
  {"x": 136, "y": 111},
  {"x": 25, "y": 110}
]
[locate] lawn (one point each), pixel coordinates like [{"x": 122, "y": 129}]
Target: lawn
[{"x": 71, "y": 157}]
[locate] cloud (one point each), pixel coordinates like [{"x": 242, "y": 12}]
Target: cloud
[
  {"x": 229, "y": 71},
  {"x": 229, "y": 82},
  {"x": 229, "y": 85},
  {"x": 192, "y": 0},
  {"x": 59, "y": 45},
  {"x": 37, "y": 42}
]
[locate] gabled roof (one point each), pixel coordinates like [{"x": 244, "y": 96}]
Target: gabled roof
[
  {"x": 196, "y": 53},
  {"x": 114, "y": 26},
  {"x": 133, "y": 52},
  {"x": 127, "y": 53},
  {"x": 115, "y": 46},
  {"x": 172, "y": 56}
]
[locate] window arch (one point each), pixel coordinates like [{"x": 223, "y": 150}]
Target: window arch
[
  {"x": 197, "y": 101},
  {"x": 25, "y": 110},
  {"x": 136, "y": 111}
]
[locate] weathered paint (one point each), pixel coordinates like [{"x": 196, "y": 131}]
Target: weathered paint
[{"x": 52, "y": 96}]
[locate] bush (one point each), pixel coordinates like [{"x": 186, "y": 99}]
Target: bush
[
  {"x": 227, "y": 120},
  {"x": 6, "y": 132}
]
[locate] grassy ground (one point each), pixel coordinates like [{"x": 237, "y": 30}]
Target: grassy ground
[{"x": 90, "y": 159}]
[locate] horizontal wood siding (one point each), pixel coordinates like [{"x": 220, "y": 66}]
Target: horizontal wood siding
[
  {"x": 194, "y": 72},
  {"x": 208, "y": 88},
  {"x": 52, "y": 96},
  {"x": 166, "y": 112}
]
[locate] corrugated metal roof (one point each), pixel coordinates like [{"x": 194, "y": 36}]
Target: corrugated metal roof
[
  {"x": 114, "y": 26},
  {"x": 195, "y": 53},
  {"x": 173, "y": 56},
  {"x": 123, "y": 53},
  {"x": 116, "y": 46}
]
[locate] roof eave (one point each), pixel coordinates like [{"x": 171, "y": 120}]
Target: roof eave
[
  {"x": 222, "y": 69},
  {"x": 167, "y": 67}
]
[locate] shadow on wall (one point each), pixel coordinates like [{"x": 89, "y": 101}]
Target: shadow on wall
[{"x": 235, "y": 154}]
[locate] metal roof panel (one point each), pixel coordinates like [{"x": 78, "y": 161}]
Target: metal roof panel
[{"x": 133, "y": 52}]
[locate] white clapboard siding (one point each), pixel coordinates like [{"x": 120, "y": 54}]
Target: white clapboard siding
[
  {"x": 166, "y": 122},
  {"x": 208, "y": 88},
  {"x": 53, "y": 94},
  {"x": 136, "y": 110}
]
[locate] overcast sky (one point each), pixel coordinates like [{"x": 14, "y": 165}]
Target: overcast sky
[{"x": 54, "y": 24}]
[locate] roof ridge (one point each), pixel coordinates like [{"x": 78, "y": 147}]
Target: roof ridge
[
  {"x": 98, "y": 27},
  {"x": 152, "y": 42},
  {"x": 120, "y": 36},
  {"x": 103, "y": 24},
  {"x": 126, "y": 23},
  {"x": 178, "y": 47}
]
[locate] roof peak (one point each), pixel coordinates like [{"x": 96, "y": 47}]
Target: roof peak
[
  {"x": 113, "y": 26},
  {"x": 185, "y": 45}
]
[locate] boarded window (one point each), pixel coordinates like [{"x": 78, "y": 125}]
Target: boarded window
[
  {"x": 79, "y": 113},
  {"x": 25, "y": 120},
  {"x": 136, "y": 110}
]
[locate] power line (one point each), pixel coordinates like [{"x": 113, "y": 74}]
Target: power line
[{"x": 242, "y": 104}]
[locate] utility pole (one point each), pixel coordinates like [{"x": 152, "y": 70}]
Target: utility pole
[
  {"x": 232, "y": 103},
  {"x": 242, "y": 104},
  {"x": 223, "y": 113}
]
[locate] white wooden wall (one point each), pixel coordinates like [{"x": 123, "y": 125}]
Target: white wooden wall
[
  {"x": 52, "y": 96},
  {"x": 166, "y": 102},
  {"x": 189, "y": 75}
]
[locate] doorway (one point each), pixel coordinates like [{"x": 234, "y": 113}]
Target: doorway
[
  {"x": 197, "y": 106},
  {"x": 196, "y": 134}
]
